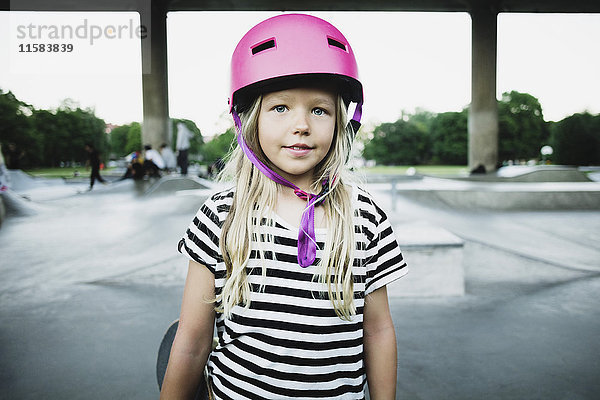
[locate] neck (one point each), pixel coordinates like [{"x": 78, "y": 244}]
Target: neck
[
  {"x": 304, "y": 185},
  {"x": 289, "y": 193}
]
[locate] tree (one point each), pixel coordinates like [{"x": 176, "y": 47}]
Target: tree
[
  {"x": 64, "y": 133},
  {"x": 16, "y": 128},
  {"x": 134, "y": 138},
  {"x": 449, "y": 138},
  {"x": 84, "y": 127},
  {"x": 399, "y": 143},
  {"x": 576, "y": 140},
  {"x": 219, "y": 146},
  {"x": 49, "y": 129},
  {"x": 118, "y": 140},
  {"x": 521, "y": 127},
  {"x": 421, "y": 118}
]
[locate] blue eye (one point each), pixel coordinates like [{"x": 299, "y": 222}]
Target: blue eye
[
  {"x": 280, "y": 109},
  {"x": 319, "y": 111}
]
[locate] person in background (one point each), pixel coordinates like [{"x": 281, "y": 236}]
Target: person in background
[
  {"x": 135, "y": 169},
  {"x": 94, "y": 163},
  {"x": 168, "y": 157},
  {"x": 183, "y": 145},
  {"x": 13, "y": 156},
  {"x": 153, "y": 162}
]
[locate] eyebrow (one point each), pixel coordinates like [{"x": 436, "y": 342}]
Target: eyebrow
[
  {"x": 277, "y": 97},
  {"x": 320, "y": 100},
  {"x": 325, "y": 101}
]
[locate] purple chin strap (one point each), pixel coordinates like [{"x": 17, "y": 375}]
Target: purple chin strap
[{"x": 307, "y": 243}]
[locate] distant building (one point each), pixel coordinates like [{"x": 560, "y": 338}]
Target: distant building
[{"x": 109, "y": 127}]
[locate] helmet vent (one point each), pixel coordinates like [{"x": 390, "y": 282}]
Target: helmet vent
[
  {"x": 336, "y": 43},
  {"x": 268, "y": 44}
]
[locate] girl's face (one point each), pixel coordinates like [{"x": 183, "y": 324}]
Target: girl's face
[{"x": 295, "y": 131}]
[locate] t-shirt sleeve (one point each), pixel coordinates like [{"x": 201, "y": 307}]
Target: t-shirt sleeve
[
  {"x": 385, "y": 260},
  {"x": 200, "y": 242}
]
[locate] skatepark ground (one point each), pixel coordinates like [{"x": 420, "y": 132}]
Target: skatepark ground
[{"x": 91, "y": 281}]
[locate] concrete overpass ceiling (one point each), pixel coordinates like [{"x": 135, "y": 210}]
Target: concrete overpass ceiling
[
  {"x": 558, "y": 6},
  {"x": 520, "y": 6},
  {"x": 72, "y": 5},
  {"x": 550, "y": 6},
  {"x": 314, "y": 5}
]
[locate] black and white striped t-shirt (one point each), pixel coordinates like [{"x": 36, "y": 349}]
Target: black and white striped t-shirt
[{"x": 290, "y": 344}]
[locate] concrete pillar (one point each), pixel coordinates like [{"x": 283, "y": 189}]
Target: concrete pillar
[
  {"x": 155, "y": 126},
  {"x": 483, "y": 113}
]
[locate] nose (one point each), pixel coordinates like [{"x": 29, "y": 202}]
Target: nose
[{"x": 301, "y": 124}]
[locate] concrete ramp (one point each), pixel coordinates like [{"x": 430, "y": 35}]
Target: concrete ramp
[
  {"x": 21, "y": 181},
  {"x": 172, "y": 184},
  {"x": 541, "y": 173},
  {"x": 16, "y": 205},
  {"x": 504, "y": 195},
  {"x": 41, "y": 189}
]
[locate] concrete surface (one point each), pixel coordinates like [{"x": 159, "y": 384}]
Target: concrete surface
[
  {"x": 436, "y": 261},
  {"x": 527, "y": 327},
  {"x": 91, "y": 281},
  {"x": 2, "y": 210},
  {"x": 490, "y": 195}
]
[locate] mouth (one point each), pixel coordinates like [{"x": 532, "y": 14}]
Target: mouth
[
  {"x": 298, "y": 150},
  {"x": 298, "y": 146}
]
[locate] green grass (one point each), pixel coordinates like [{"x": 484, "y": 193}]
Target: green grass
[
  {"x": 440, "y": 170},
  {"x": 434, "y": 170},
  {"x": 66, "y": 172}
]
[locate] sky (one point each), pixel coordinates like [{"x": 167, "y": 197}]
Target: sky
[{"x": 407, "y": 61}]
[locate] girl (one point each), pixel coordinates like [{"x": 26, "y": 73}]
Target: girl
[{"x": 292, "y": 263}]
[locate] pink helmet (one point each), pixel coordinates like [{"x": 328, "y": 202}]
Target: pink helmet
[{"x": 287, "y": 49}]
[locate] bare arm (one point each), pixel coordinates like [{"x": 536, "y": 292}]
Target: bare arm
[
  {"x": 379, "y": 346},
  {"x": 193, "y": 341}
]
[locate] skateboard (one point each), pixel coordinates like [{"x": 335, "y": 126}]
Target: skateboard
[{"x": 162, "y": 361}]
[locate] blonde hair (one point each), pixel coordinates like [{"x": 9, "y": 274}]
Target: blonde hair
[{"x": 254, "y": 200}]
